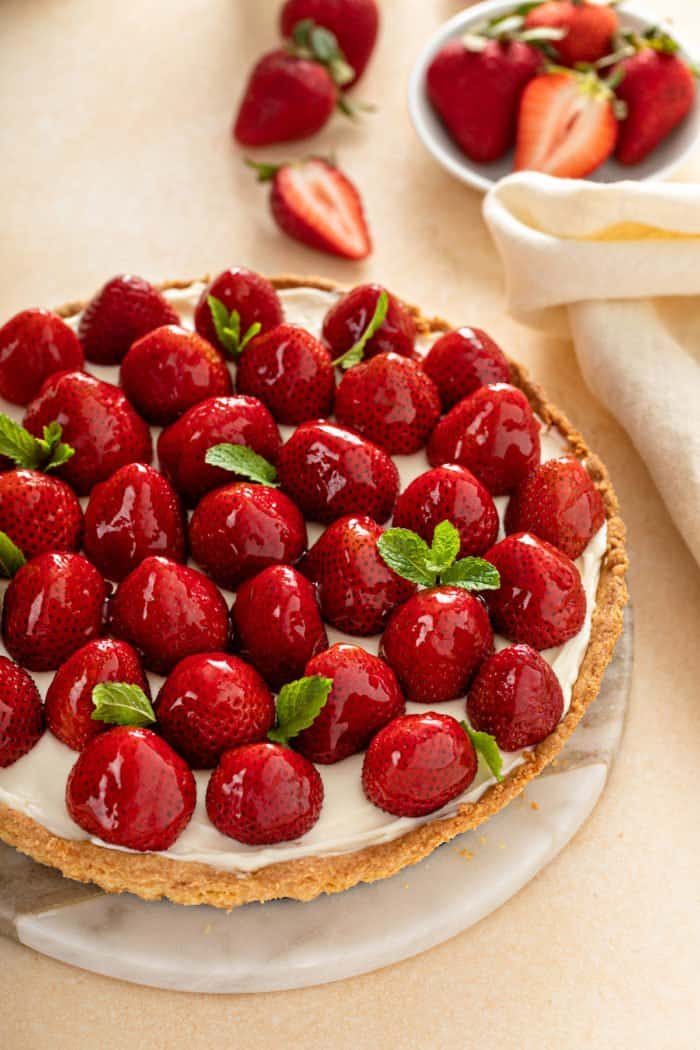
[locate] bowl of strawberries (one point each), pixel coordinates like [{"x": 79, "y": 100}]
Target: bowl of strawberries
[{"x": 572, "y": 88}]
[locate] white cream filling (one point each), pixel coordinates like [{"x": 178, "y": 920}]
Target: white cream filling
[{"x": 35, "y": 785}]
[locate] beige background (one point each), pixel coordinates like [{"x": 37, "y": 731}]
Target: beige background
[{"x": 115, "y": 155}]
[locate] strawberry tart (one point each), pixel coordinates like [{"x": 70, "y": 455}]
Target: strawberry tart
[{"x": 364, "y": 597}]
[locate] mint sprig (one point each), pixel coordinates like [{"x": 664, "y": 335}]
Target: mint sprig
[
  {"x": 121, "y": 704},
  {"x": 31, "y": 452},
  {"x": 298, "y": 705},
  {"x": 240, "y": 459},
  {"x": 11, "y": 557},
  {"x": 356, "y": 353},
  {"x": 485, "y": 745},
  {"x": 227, "y": 325},
  {"x": 410, "y": 556}
]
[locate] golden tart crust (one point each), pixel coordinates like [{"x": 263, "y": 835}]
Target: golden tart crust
[{"x": 152, "y": 875}]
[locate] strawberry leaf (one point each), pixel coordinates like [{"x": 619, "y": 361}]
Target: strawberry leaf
[
  {"x": 298, "y": 705},
  {"x": 121, "y": 704},
  {"x": 30, "y": 452},
  {"x": 356, "y": 353},
  {"x": 485, "y": 746},
  {"x": 472, "y": 574},
  {"x": 228, "y": 327},
  {"x": 11, "y": 557},
  {"x": 240, "y": 459},
  {"x": 445, "y": 547},
  {"x": 407, "y": 554}
]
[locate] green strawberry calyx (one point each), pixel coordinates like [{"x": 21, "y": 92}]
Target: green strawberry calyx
[
  {"x": 511, "y": 27},
  {"x": 410, "y": 557},
  {"x": 486, "y": 747},
  {"x": 240, "y": 459},
  {"x": 44, "y": 453},
  {"x": 121, "y": 704},
  {"x": 356, "y": 352},
  {"x": 227, "y": 324},
  {"x": 298, "y": 705},
  {"x": 11, "y": 557}
]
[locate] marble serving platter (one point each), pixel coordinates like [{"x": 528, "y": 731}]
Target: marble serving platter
[{"x": 287, "y": 944}]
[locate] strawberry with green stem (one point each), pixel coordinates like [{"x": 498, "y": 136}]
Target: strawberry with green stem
[
  {"x": 588, "y": 30},
  {"x": 244, "y": 304}
]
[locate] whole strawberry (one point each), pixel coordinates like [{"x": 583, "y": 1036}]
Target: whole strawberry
[
  {"x": 134, "y": 514},
  {"x": 493, "y": 433},
  {"x": 588, "y": 29},
  {"x": 559, "y": 503},
  {"x": 516, "y": 697},
  {"x": 356, "y": 589},
  {"x": 236, "y": 306},
  {"x": 211, "y": 702},
  {"x": 277, "y": 624},
  {"x": 460, "y": 362},
  {"x": 171, "y": 369},
  {"x": 290, "y": 372},
  {"x": 33, "y": 345},
  {"x": 349, "y": 319},
  {"x": 39, "y": 513},
  {"x": 21, "y": 714},
  {"x": 98, "y": 423},
  {"x": 122, "y": 311},
  {"x": 389, "y": 400},
  {"x": 130, "y": 789},
  {"x": 449, "y": 493},
  {"x": 167, "y": 612},
  {"x": 541, "y": 600},
  {"x": 330, "y": 471},
  {"x": 240, "y": 529},
  {"x": 53, "y": 605},
  {"x": 364, "y": 697},
  {"x": 183, "y": 446},
  {"x": 264, "y": 793},
  {"x": 417, "y": 764},
  {"x": 69, "y": 700},
  {"x": 355, "y": 24}
]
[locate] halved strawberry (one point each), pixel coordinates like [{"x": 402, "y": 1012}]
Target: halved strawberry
[{"x": 567, "y": 124}]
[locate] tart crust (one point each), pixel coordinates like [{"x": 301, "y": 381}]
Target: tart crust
[{"x": 151, "y": 875}]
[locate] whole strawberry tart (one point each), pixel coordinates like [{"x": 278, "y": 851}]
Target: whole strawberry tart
[{"x": 299, "y": 584}]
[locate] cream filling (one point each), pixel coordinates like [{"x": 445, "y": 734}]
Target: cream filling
[{"x": 35, "y": 785}]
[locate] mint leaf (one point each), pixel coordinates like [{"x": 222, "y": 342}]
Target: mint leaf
[
  {"x": 407, "y": 554},
  {"x": 30, "y": 452},
  {"x": 298, "y": 705},
  {"x": 445, "y": 547},
  {"x": 242, "y": 460},
  {"x": 485, "y": 745},
  {"x": 356, "y": 353},
  {"x": 11, "y": 557},
  {"x": 228, "y": 327},
  {"x": 473, "y": 574},
  {"x": 121, "y": 704}
]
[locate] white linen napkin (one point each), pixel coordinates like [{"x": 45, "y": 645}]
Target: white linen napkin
[{"x": 624, "y": 258}]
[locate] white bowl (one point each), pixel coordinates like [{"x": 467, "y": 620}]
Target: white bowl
[{"x": 658, "y": 165}]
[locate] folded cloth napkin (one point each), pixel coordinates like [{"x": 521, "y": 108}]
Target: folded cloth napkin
[{"x": 624, "y": 259}]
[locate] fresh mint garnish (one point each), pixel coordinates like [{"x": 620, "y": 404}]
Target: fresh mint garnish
[
  {"x": 356, "y": 353},
  {"x": 121, "y": 704},
  {"x": 485, "y": 745},
  {"x": 11, "y": 557},
  {"x": 410, "y": 556},
  {"x": 31, "y": 452},
  {"x": 240, "y": 459},
  {"x": 298, "y": 705},
  {"x": 228, "y": 327}
]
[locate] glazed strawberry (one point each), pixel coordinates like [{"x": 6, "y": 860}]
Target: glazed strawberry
[
  {"x": 589, "y": 29},
  {"x": 354, "y": 23},
  {"x": 330, "y": 471},
  {"x": 449, "y": 493},
  {"x": 69, "y": 700},
  {"x": 132, "y": 515},
  {"x": 314, "y": 202},
  {"x": 356, "y": 590},
  {"x": 475, "y": 84},
  {"x": 238, "y": 530},
  {"x": 389, "y": 400},
  {"x": 264, "y": 793},
  {"x": 212, "y": 702},
  {"x": 53, "y": 605},
  {"x": 277, "y": 624},
  {"x": 493, "y": 433},
  {"x": 130, "y": 789},
  {"x": 658, "y": 91},
  {"x": 122, "y": 311},
  {"x": 171, "y": 369},
  {"x": 21, "y": 714},
  {"x": 290, "y": 372},
  {"x": 567, "y": 124},
  {"x": 182, "y": 447},
  {"x": 516, "y": 697},
  {"x": 348, "y": 319},
  {"x": 33, "y": 345},
  {"x": 39, "y": 513},
  {"x": 97, "y": 421},
  {"x": 417, "y": 764},
  {"x": 364, "y": 697},
  {"x": 460, "y": 362},
  {"x": 167, "y": 612},
  {"x": 245, "y": 305},
  {"x": 559, "y": 503},
  {"x": 541, "y": 600}
]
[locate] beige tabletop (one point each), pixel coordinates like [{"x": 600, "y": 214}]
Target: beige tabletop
[{"x": 115, "y": 155}]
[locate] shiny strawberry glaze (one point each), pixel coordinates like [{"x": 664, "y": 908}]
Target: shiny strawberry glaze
[
  {"x": 348, "y": 319},
  {"x": 460, "y": 362},
  {"x": 33, "y": 345},
  {"x": 21, "y": 713},
  {"x": 449, "y": 493},
  {"x": 309, "y": 376},
  {"x": 250, "y": 294}
]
